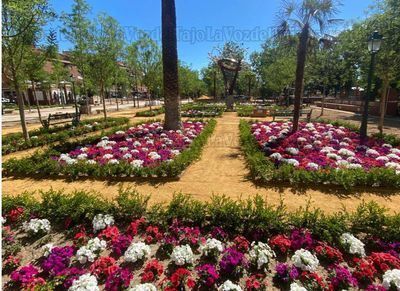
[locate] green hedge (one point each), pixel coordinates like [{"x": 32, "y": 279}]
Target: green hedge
[
  {"x": 234, "y": 216},
  {"x": 263, "y": 169},
  {"x": 151, "y": 113},
  {"x": 41, "y": 164},
  {"x": 14, "y": 142}
]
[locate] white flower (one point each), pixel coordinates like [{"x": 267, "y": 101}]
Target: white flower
[
  {"x": 127, "y": 156},
  {"x": 91, "y": 250},
  {"x": 137, "y": 251},
  {"x": 308, "y": 147},
  {"x": 123, "y": 149},
  {"x": 395, "y": 151},
  {"x": 313, "y": 166},
  {"x": 3, "y": 220},
  {"x": 143, "y": 287},
  {"x": 82, "y": 156},
  {"x": 296, "y": 287},
  {"x": 182, "y": 255},
  {"x": 386, "y": 145},
  {"x": 137, "y": 163},
  {"x": 301, "y": 139},
  {"x": 175, "y": 152},
  {"x": 391, "y": 279},
  {"x": 229, "y": 286},
  {"x": 261, "y": 253},
  {"x": 120, "y": 132},
  {"x": 108, "y": 156},
  {"x": 154, "y": 156},
  {"x": 346, "y": 152},
  {"x": 47, "y": 249},
  {"x": 276, "y": 156},
  {"x": 212, "y": 247},
  {"x": 372, "y": 153},
  {"x": 393, "y": 156},
  {"x": 354, "y": 245},
  {"x": 292, "y": 151},
  {"x": 342, "y": 163},
  {"x": 101, "y": 221},
  {"x": 113, "y": 162},
  {"x": 36, "y": 225},
  {"x": 354, "y": 166},
  {"x": 382, "y": 158},
  {"x": 305, "y": 260},
  {"x": 91, "y": 162},
  {"x": 85, "y": 282},
  {"x": 334, "y": 156},
  {"x": 292, "y": 162},
  {"x": 327, "y": 150}
]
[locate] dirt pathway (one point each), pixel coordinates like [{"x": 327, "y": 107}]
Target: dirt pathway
[{"x": 221, "y": 170}]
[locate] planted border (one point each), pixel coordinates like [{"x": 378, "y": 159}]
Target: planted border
[
  {"x": 15, "y": 142},
  {"x": 263, "y": 169},
  {"x": 42, "y": 164},
  {"x": 150, "y": 113}
]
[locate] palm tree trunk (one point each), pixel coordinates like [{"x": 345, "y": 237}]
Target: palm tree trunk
[
  {"x": 299, "y": 83},
  {"x": 382, "y": 110},
  {"x": 170, "y": 66}
]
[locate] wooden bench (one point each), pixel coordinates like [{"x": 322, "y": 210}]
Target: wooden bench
[
  {"x": 289, "y": 113},
  {"x": 60, "y": 118},
  {"x": 8, "y": 111}
]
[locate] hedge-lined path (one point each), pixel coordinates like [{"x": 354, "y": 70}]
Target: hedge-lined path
[{"x": 221, "y": 170}]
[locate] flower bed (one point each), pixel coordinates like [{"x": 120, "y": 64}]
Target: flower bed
[
  {"x": 201, "y": 113},
  {"x": 15, "y": 142},
  {"x": 321, "y": 153},
  {"x": 108, "y": 246},
  {"x": 144, "y": 150}
]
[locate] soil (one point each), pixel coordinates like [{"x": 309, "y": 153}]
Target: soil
[{"x": 221, "y": 170}]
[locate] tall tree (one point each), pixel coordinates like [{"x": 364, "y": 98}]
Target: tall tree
[
  {"x": 304, "y": 17},
  {"x": 22, "y": 23},
  {"x": 77, "y": 29},
  {"x": 144, "y": 59},
  {"x": 170, "y": 66},
  {"x": 107, "y": 50}
]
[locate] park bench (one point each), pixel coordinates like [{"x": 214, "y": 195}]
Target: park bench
[
  {"x": 60, "y": 118},
  {"x": 289, "y": 113},
  {"x": 8, "y": 111}
]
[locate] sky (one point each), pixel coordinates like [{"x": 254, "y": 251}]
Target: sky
[{"x": 202, "y": 24}]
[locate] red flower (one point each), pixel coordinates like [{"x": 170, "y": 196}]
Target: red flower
[
  {"x": 103, "y": 266},
  {"x": 384, "y": 261},
  {"x": 180, "y": 277},
  {"x": 15, "y": 214},
  {"x": 134, "y": 227},
  {"x": 280, "y": 243},
  {"x": 328, "y": 253},
  {"x": 110, "y": 233},
  {"x": 152, "y": 271},
  {"x": 241, "y": 244},
  {"x": 255, "y": 282},
  {"x": 364, "y": 270}
]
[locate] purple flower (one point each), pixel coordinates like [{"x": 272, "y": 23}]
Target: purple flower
[
  {"x": 121, "y": 278},
  {"x": 69, "y": 275},
  {"x": 341, "y": 278},
  {"x": 24, "y": 275},
  {"x": 232, "y": 261},
  {"x": 208, "y": 274},
  {"x": 121, "y": 244},
  {"x": 58, "y": 260},
  {"x": 286, "y": 273},
  {"x": 301, "y": 239}
]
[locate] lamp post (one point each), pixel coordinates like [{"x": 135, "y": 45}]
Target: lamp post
[
  {"x": 374, "y": 44},
  {"x": 76, "y": 119},
  {"x": 230, "y": 68}
]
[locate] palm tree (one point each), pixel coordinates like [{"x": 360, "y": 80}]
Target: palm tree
[
  {"x": 170, "y": 66},
  {"x": 303, "y": 17}
]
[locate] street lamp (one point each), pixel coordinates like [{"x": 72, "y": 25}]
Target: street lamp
[
  {"x": 374, "y": 44},
  {"x": 76, "y": 119},
  {"x": 230, "y": 68}
]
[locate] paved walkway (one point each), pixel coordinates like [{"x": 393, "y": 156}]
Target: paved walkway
[{"x": 221, "y": 170}]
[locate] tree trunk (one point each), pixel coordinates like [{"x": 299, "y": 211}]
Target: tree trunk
[
  {"x": 64, "y": 100},
  {"x": 323, "y": 102},
  {"x": 382, "y": 110},
  {"x": 170, "y": 66},
  {"x": 104, "y": 102},
  {"x": 21, "y": 109},
  {"x": 299, "y": 83},
  {"x": 36, "y": 102}
]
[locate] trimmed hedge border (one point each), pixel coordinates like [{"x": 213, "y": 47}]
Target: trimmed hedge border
[
  {"x": 150, "y": 113},
  {"x": 263, "y": 169},
  {"x": 14, "y": 142},
  {"x": 41, "y": 164},
  {"x": 234, "y": 216}
]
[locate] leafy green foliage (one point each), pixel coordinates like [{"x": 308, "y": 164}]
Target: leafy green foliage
[{"x": 235, "y": 216}]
